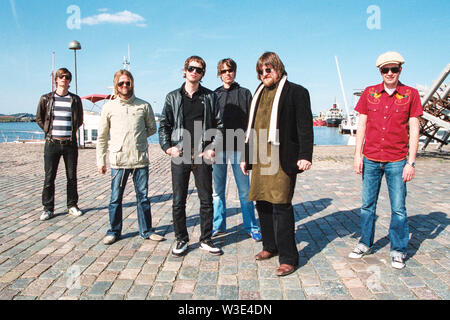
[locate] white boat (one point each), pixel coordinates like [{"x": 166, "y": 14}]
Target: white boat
[
  {"x": 89, "y": 130},
  {"x": 349, "y": 124}
]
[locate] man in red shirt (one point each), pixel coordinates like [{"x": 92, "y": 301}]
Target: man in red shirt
[{"x": 383, "y": 140}]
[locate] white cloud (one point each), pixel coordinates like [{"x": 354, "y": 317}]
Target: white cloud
[{"x": 123, "y": 17}]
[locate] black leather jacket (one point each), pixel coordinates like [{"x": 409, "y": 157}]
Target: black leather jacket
[
  {"x": 171, "y": 122},
  {"x": 44, "y": 114}
]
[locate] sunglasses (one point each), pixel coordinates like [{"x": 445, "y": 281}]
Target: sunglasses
[
  {"x": 121, "y": 83},
  {"x": 226, "y": 70},
  {"x": 267, "y": 70},
  {"x": 393, "y": 69},
  {"x": 65, "y": 76},
  {"x": 198, "y": 69}
]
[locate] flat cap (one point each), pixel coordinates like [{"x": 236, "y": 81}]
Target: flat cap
[{"x": 390, "y": 57}]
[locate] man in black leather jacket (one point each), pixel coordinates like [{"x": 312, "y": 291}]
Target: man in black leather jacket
[{"x": 190, "y": 130}]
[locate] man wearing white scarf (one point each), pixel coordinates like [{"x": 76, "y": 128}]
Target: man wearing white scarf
[{"x": 281, "y": 131}]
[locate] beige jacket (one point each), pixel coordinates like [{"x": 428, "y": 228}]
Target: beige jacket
[{"x": 129, "y": 123}]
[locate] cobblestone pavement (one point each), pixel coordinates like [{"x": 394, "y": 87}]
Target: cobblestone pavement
[{"x": 64, "y": 258}]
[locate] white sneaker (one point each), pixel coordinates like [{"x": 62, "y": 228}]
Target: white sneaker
[
  {"x": 46, "y": 215},
  {"x": 209, "y": 246},
  {"x": 180, "y": 249},
  {"x": 75, "y": 211},
  {"x": 109, "y": 239},
  {"x": 359, "y": 251},
  {"x": 397, "y": 262},
  {"x": 156, "y": 237}
]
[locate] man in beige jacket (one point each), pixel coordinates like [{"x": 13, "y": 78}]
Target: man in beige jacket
[{"x": 129, "y": 121}]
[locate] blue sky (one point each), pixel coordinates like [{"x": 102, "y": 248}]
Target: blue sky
[{"x": 162, "y": 34}]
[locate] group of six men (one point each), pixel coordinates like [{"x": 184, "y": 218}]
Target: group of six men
[{"x": 270, "y": 133}]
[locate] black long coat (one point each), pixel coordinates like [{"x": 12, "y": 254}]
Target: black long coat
[{"x": 295, "y": 125}]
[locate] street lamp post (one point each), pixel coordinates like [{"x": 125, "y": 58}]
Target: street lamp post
[{"x": 75, "y": 45}]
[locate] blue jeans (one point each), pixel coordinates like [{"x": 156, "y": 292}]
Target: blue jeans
[
  {"x": 119, "y": 179},
  {"x": 398, "y": 232},
  {"x": 243, "y": 184}
]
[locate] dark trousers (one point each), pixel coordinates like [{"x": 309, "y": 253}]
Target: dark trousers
[
  {"x": 180, "y": 183},
  {"x": 278, "y": 230},
  {"x": 52, "y": 154}
]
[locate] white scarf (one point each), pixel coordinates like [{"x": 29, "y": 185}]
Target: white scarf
[{"x": 273, "y": 133}]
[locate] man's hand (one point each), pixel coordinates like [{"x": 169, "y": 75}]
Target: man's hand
[
  {"x": 208, "y": 154},
  {"x": 408, "y": 173},
  {"x": 303, "y": 165},
  {"x": 243, "y": 165},
  {"x": 173, "y": 152},
  {"x": 102, "y": 169},
  {"x": 358, "y": 163}
]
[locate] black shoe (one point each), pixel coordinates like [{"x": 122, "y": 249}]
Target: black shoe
[
  {"x": 180, "y": 249},
  {"x": 209, "y": 246}
]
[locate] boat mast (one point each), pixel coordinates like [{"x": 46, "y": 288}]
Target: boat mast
[
  {"x": 53, "y": 72},
  {"x": 343, "y": 93},
  {"x": 127, "y": 62}
]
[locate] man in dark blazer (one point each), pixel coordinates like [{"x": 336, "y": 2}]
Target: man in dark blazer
[{"x": 280, "y": 138}]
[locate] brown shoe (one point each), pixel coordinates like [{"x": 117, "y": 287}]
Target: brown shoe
[
  {"x": 264, "y": 255},
  {"x": 285, "y": 269}
]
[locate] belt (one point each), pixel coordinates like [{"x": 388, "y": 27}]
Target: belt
[{"x": 60, "y": 141}]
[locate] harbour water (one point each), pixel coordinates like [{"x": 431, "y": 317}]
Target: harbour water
[{"x": 15, "y": 131}]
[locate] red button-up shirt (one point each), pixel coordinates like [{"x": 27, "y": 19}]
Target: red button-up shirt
[{"x": 387, "y": 137}]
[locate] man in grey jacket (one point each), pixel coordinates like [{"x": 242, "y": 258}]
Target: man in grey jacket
[{"x": 129, "y": 121}]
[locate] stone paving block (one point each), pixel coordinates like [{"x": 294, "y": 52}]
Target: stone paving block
[
  {"x": 120, "y": 287},
  {"x": 205, "y": 290},
  {"x": 24, "y": 298},
  {"x": 385, "y": 296},
  {"x": 110, "y": 296},
  {"x": 248, "y": 285},
  {"x": 271, "y": 294},
  {"x": 424, "y": 293},
  {"x": 37, "y": 287},
  {"x": 161, "y": 289},
  {"x": 314, "y": 291},
  {"x": 361, "y": 294},
  {"x": 8, "y": 294},
  {"x": 413, "y": 282},
  {"x": 334, "y": 288},
  {"x": 52, "y": 293},
  {"x": 99, "y": 288},
  {"x": 207, "y": 277},
  {"x": 184, "y": 286},
  {"x": 21, "y": 283},
  {"x": 139, "y": 292},
  {"x": 249, "y": 295},
  {"x": 227, "y": 292},
  {"x": 180, "y": 296},
  {"x": 167, "y": 276},
  {"x": 291, "y": 294},
  {"x": 116, "y": 266},
  {"x": 188, "y": 273}
]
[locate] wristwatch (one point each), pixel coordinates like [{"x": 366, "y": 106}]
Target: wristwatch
[{"x": 412, "y": 164}]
